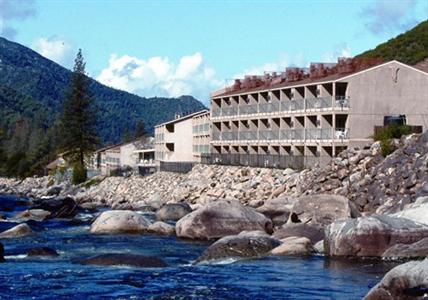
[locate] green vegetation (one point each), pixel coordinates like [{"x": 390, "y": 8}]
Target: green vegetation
[
  {"x": 410, "y": 47},
  {"x": 91, "y": 182},
  {"x": 386, "y": 134},
  {"x": 78, "y": 136}
]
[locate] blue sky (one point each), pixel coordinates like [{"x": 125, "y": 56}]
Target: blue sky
[{"x": 169, "y": 48}]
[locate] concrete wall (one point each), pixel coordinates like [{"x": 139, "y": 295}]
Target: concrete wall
[
  {"x": 127, "y": 157},
  {"x": 391, "y": 89}
]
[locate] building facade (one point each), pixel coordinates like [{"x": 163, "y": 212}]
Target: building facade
[
  {"x": 184, "y": 139},
  {"x": 310, "y": 116}
]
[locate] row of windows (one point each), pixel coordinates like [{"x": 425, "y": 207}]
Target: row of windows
[
  {"x": 159, "y": 155},
  {"x": 113, "y": 160},
  {"x": 201, "y": 128},
  {"x": 159, "y": 137},
  {"x": 201, "y": 148}
]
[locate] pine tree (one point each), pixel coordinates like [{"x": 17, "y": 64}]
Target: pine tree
[
  {"x": 140, "y": 129},
  {"x": 78, "y": 136}
]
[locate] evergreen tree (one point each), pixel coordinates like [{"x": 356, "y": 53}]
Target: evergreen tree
[
  {"x": 140, "y": 129},
  {"x": 78, "y": 137}
]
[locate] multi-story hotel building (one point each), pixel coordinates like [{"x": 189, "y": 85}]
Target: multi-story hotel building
[
  {"x": 182, "y": 140},
  {"x": 314, "y": 113}
]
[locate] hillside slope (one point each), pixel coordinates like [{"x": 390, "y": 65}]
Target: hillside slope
[
  {"x": 33, "y": 75},
  {"x": 410, "y": 47}
]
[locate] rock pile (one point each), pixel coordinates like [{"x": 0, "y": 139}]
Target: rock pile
[{"x": 372, "y": 183}]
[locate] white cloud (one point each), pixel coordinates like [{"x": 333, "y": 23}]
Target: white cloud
[
  {"x": 342, "y": 50},
  {"x": 276, "y": 66},
  {"x": 11, "y": 10},
  {"x": 54, "y": 48},
  {"x": 384, "y": 16},
  {"x": 158, "y": 76}
]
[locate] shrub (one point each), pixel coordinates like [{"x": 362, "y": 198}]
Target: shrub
[
  {"x": 79, "y": 174},
  {"x": 393, "y": 131}
]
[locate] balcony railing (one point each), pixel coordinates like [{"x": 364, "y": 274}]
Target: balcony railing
[
  {"x": 284, "y": 134},
  {"x": 339, "y": 102}
]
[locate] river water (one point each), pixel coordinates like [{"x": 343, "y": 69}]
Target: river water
[{"x": 23, "y": 277}]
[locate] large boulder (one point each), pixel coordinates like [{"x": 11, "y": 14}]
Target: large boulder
[
  {"x": 162, "y": 228},
  {"x": 414, "y": 250},
  {"x": 417, "y": 212},
  {"x": 371, "y": 236},
  {"x": 120, "y": 221},
  {"x": 406, "y": 281},
  {"x": 313, "y": 232},
  {"x": 125, "y": 259},
  {"x": 278, "y": 209},
  {"x": 60, "y": 207},
  {"x": 20, "y": 230},
  {"x": 221, "y": 218},
  {"x": 32, "y": 214},
  {"x": 243, "y": 245},
  {"x": 294, "y": 246},
  {"x": 323, "y": 209},
  {"x": 173, "y": 211}
]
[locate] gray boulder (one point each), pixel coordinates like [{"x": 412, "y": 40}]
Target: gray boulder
[
  {"x": 125, "y": 259},
  {"x": 32, "y": 214},
  {"x": 323, "y": 209},
  {"x": 243, "y": 245},
  {"x": 313, "y": 232},
  {"x": 221, "y": 218},
  {"x": 54, "y": 190},
  {"x": 120, "y": 221},
  {"x": 414, "y": 250},
  {"x": 162, "y": 228},
  {"x": 417, "y": 212},
  {"x": 371, "y": 236},
  {"x": 173, "y": 211},
  {"x": 20, "y": 230},
  {"x": 294, "y": 246},
  {"x": 406, "y": 281},
  {"x": 278, "y": 209}
]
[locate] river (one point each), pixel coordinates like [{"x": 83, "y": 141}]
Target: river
[{"x": 25, "y": 277}]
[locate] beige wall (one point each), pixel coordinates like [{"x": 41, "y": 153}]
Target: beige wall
[
  {"x": 127, "y": 157},
  {"x": 379, "y": 92}
]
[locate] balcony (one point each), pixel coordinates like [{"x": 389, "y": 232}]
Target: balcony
[
  {"x": 301, "y": 105},
  {"x": 300, "y": 134}
]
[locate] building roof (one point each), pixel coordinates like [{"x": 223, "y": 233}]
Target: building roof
[
  {"x": 141, "y": 142},
  {"x": 184, "y": 118},
  {"x": 305, "y": 81}
]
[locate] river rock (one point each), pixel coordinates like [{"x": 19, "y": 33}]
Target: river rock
[
  {"x": 44, "y": 251},
  {"x": 322, "y": 209},
  {"x": 1, "y": 253},
  {"x": 243, "y": 245},
  {"x": 294, "y": 246},
  {"x": 32, "y": 214},
  {"x": 418, "y": 212},
  {"x": 173, "y": 211},
  {"x": 314, "y": 233},
  {"x": 120, "y": 221},
  {"x": 20, "y": 230},
  {"x": 319, "y": 247},
  {"x": 278, "y": 209},
  {"x": 162, "y": 228},
  {"x": 406, "y": 281},
  {"x": 60, "y": 207},
  {"x": 371, "y": 236},
  {"x": 415, "y": 250},
  {"x": 54, "y": 190},
  {"x": 221, "y": 218},
  {"x": 125, "y": 259}
]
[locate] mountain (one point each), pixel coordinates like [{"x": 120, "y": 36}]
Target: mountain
[
  {"x": 410, "y": 47},
  {"x": 42, "y": 84}
]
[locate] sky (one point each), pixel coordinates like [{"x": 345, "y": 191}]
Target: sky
[{"x": 172, "y": 48}]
